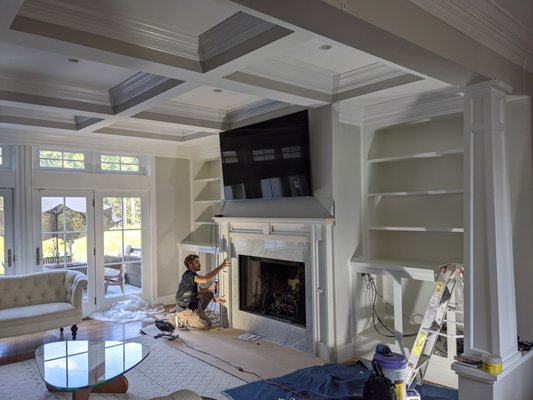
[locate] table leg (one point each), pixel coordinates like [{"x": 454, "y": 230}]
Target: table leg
[
  {"x": 117, "y": 385},
  {"x": 81, "y": 394}
]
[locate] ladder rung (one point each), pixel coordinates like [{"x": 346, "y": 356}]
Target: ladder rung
[{"x": 446, "y": 334}]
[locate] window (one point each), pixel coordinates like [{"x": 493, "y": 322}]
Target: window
[
  {"x": 6, "y": 156},
  {"x": 120, "y": 163},
  {"x": 60, "y": 159}
]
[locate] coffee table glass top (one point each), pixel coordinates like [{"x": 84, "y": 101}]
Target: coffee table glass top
[{"x": 76, "y": 364}]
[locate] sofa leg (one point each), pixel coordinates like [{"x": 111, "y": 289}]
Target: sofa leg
[{"x": 74, "y": 330}]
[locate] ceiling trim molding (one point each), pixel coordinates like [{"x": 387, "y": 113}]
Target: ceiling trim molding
[
  {"x": 91, "y": 17},
  {"x": 183, "y": 121},
  {"x": 488, "y": 23},
  {"x": 39, "y": 123},
  {"x": 178, "y": 109},
  {"x": 412, "y": 108},
  {"x": 230, "y": 33},
  {"x": 132, "y": 87},
  {"x": 54, "y": 104},
  {"x": 13, "y": 134},
  {"x": 364, "y": 76},
  {"x": 49, "y": 88},
  {"x": 349, "y": 114},
  {"x": 254, "y": 110},
  {"x": 100, "y": 42}
]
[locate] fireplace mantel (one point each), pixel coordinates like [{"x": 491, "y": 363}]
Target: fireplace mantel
[{"x": 307, "y": 240}]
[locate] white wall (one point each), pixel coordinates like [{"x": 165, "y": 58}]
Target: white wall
[
  {"x": 346, "y": 182},
  {"x": 519, "y": 148},
  {"x": 173, "y": 220}
]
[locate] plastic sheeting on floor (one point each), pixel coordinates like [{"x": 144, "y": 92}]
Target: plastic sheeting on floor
[{"x": 132, "y": 308}]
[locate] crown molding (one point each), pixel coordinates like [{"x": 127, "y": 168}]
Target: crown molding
[
  {"x": 372, "y": 73},
  {"x": 13, "y": 134},
  {"x": 230, "y": 33},
  {"x": 51, "y": 88},
  {"x": 412, "y": 108},
  {"x": 256, "y": 109},
  {"x": 97, "y": 18},
  {"x": 489, "y": 23},
  {"x": 176, "y": 108},
  {"x": 349, "y": 114}
]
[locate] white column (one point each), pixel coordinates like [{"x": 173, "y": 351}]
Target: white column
[{"x": 490, "y": 310}]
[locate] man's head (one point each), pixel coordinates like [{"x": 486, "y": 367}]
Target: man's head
[{"x": 192, "y": 262}]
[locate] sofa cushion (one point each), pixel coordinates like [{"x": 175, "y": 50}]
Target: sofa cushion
[
  {"x": 38, "y": 317},
  {"x": 37, "y": 288}
]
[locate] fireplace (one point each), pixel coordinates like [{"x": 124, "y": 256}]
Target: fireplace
[
  {"x": 273, "y": 289},
  {"x": 280, "y": 282}
]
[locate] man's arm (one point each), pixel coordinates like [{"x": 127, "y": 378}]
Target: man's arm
[{"x": 210, "y": 275}]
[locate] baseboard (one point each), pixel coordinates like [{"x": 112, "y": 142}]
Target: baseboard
[
  {"x": 167, "y": 300},
  {"x": 344, "y": 352}
]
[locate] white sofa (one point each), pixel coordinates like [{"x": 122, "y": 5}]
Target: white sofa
[{"x": 41, "y": 301}]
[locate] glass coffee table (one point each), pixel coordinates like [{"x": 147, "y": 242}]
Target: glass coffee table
[{"x": 85, "y": 366}]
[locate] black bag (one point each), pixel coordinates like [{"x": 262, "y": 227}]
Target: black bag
[{"x": 378, "y": 387}]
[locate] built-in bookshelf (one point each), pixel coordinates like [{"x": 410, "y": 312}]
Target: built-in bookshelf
[
  {"x": 414, "y": 221},
  {"x": 415, "y": 192}
]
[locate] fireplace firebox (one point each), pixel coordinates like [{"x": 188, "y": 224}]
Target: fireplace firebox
[{"x": 272, "y": 288}]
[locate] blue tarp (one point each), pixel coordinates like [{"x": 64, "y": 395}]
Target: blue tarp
[{"x": 327, "y": 382}]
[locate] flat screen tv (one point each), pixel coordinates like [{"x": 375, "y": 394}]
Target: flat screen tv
[{"x": 267, "y": 160}]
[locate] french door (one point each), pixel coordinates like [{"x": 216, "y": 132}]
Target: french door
[
  {"x": 7, "y": 255},
  {"x": 64, "y": 235},
  {"x": 98, "y": 234}
]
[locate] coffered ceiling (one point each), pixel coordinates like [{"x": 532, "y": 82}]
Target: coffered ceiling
[{"x": 175, "y": 71}]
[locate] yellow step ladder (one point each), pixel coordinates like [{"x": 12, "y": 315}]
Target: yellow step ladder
[{"x": 450, "y": 275}]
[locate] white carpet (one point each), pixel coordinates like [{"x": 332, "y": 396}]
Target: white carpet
[{"x": 165, "y": 370}]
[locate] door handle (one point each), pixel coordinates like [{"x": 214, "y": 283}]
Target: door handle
[
  {"x": 37, "y": 256},
  {"x": 9, "y": 257}
]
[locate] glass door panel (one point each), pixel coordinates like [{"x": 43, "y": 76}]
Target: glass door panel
[
  {"x": 7, "y": 256},
  {"x": 65, "y": 235},
  {"x": 122, "y": 226}
]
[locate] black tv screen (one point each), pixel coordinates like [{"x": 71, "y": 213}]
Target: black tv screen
[{"x": 267, "y": 160}]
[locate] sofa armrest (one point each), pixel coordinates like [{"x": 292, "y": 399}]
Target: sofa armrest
[{"x": 78, "y": 284}]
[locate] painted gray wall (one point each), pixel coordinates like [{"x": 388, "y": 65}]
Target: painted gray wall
[
  {"x": 173, "y": 207},
  {"x": 521, "y": 188}
]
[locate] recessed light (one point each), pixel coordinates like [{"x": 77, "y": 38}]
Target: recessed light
[
  {"x": 217, "y": 90},
  {"x": 73, "y": 60},
  {"x": 325, "y": 47}
]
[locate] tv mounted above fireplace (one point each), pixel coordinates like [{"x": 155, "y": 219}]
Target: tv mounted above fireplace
[{"x": 267, "y": 160}]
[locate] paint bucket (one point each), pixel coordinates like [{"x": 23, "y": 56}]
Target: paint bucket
[{"x": 394, "y": 367}]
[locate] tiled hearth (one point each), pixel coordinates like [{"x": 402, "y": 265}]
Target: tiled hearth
[{"x": 299, "y": 241}]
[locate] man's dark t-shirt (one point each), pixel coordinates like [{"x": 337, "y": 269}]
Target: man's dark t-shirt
[{"x": 187, "y": 295}]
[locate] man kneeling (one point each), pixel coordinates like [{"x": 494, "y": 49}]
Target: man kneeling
[{"x": 191, "y": 301}]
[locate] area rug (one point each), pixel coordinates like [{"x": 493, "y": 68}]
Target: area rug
[
  {"x": 165, "y": 370},
  {"x": 330, "y": 381}
]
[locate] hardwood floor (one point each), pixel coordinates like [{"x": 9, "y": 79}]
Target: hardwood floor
[{"x": 22, "y": 347}]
